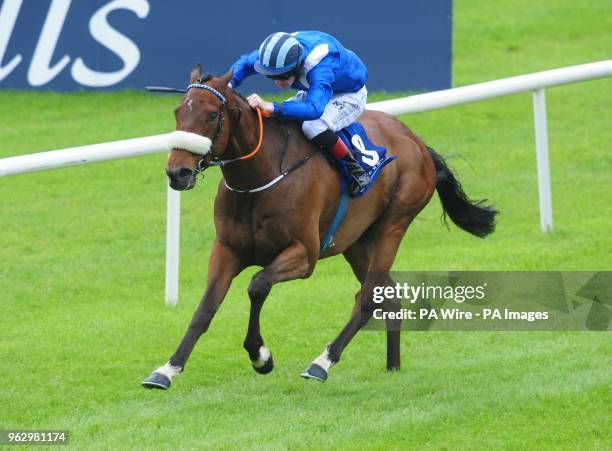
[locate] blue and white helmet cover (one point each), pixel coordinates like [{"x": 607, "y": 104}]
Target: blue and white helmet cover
[{"x": 279, "y": 53}]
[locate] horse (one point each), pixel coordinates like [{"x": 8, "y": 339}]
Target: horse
[{"x": 278, "y": 197}]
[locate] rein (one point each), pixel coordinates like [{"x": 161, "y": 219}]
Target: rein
[
  {"x": 219, "y": 162},
  {"x": 246, "y": 157}
]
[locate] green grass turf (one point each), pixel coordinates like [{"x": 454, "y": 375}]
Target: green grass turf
[{"x": 82, "y": 277}]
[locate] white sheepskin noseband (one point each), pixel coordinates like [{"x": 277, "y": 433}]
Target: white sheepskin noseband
[{"x": 192, "y": 142}]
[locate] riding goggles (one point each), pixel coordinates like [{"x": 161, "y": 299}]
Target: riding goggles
[{"x": 281, "y": 76}]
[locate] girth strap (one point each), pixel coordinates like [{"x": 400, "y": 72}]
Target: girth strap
[{"x": 336, "y": 223}]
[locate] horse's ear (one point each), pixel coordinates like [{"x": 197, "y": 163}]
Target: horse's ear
[
  {"x": 225, "y": 79},
  {"x": 196, "y": 72}
]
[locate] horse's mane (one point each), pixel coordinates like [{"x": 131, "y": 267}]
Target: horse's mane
[{"x": 274, "y": 119}]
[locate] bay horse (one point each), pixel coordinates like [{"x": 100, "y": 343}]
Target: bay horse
[{"x": 274, "y": 205}]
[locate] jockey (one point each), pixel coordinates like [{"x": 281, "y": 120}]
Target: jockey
[{"x": 331, "y": 89}]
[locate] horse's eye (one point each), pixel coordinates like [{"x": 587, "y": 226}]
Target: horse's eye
[{"x": 213, "y": 115}]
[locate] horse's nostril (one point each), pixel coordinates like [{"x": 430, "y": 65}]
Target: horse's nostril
[
  {"x": 179, "y": 173},
  {"x": 184, "y": 173}
]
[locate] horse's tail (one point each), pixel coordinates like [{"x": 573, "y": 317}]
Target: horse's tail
[{"x": 471, "y": 216}]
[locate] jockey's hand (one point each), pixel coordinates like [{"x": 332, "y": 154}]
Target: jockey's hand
[{"x": 256, "y": 101}]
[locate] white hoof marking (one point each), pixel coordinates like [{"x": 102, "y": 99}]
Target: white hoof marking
[
  {"x": 264, "y": 356},
  {"x": 324, "y": 361},
  {"x": 168, "y": 370}
]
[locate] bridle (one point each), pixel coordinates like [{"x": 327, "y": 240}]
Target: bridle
[
  {"x": 205, "y": 163},
  {"x": 220, "y": 122}
]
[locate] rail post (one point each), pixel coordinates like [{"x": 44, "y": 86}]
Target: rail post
[
  {"x": 541, "y": 138},
  {"x": 173, "y": 220}
]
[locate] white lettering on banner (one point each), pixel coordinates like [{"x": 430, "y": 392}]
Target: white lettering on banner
[
  {"x": 40, "y": 71},
  {"x": 8, "y": 16},
  {"x": 114, "y": 41},
  {"x": 369, "y": 157}
]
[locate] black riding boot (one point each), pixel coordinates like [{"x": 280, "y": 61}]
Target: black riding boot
[
  {"x": 359, "y": 178},
  {"x": 329, "y": 142}
]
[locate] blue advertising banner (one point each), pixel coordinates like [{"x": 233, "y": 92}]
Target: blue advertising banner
[{"x": 117, "y": 44}]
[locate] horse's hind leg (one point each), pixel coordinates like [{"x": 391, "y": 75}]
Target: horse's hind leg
[
  {"x": 293, "y": 263},
  {"x": 393, "y": 343},
  {"x": 389, "y": 233},
  {"x": 359, "y": 256}
]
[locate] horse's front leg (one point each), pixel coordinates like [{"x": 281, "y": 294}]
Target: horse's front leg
[
  {"x": 223, "y": 266},
  {"x": 293, "y": 263}
]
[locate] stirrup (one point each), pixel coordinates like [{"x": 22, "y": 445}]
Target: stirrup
[{"x": 358, "y": 184}]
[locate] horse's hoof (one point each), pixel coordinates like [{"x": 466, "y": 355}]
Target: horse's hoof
[
  {"x": 393, "y": 369},
  {"x": 315, "y": 372},
  {"x": 157, "y": 380},
  {"x": 264, "y": 363},
  {"x": 266, "y": 367}
]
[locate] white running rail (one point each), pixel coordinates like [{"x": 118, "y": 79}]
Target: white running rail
[{"x": 536, "y": 83}]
